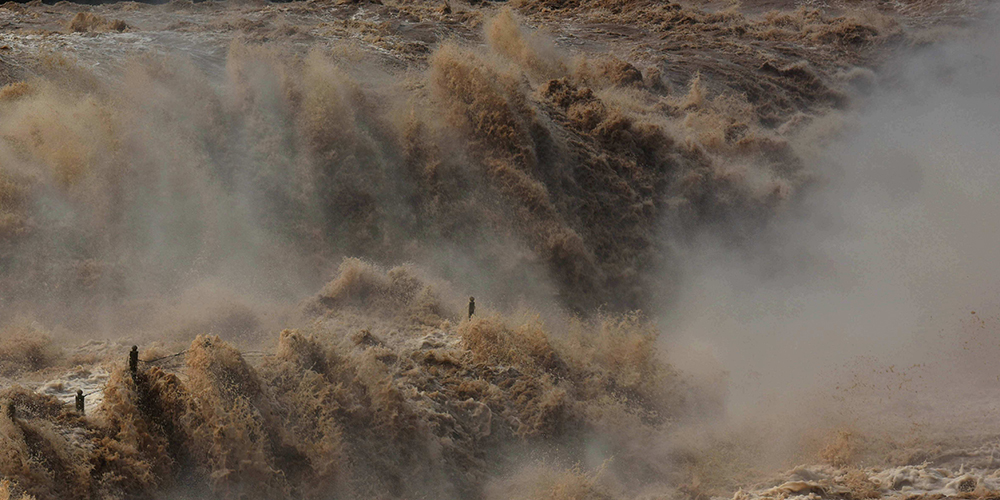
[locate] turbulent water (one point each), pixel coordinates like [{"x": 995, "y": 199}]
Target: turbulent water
[{"x": 717, "y": 249}]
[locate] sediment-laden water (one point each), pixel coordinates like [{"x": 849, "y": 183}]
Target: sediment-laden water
[{"x": 717, "y": 250}]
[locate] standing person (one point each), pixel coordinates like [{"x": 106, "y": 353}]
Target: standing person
[
  {"x": 79, "y": 401},
  {"x": 133, "y": 360},
  {"x": 472, "y": 306}
]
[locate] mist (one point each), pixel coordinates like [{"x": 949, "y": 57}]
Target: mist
[{"x": 878, "y": 287}]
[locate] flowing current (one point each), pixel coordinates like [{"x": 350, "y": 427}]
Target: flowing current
[{"x": 717, "y": 250}]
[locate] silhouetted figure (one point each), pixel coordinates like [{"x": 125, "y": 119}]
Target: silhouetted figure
[
  {"x": 79, "y": 401},
  {"x": 472, "y": 306},
  {"x": 133, "y": 360},
  {"x": 11, "y": 412}
]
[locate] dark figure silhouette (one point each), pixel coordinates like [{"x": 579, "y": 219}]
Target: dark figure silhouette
[
  {"x": 472, "y": 306},
  {"x": 11, "y": 412},
  {"x": 133, "y": 360},
  {"x": 79, "y": 401}
]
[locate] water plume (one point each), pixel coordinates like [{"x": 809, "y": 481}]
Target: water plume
[{"x": 161, "y": 175}]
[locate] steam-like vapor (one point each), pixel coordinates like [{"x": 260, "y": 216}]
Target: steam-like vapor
[{"x": 880, "y": 286}]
